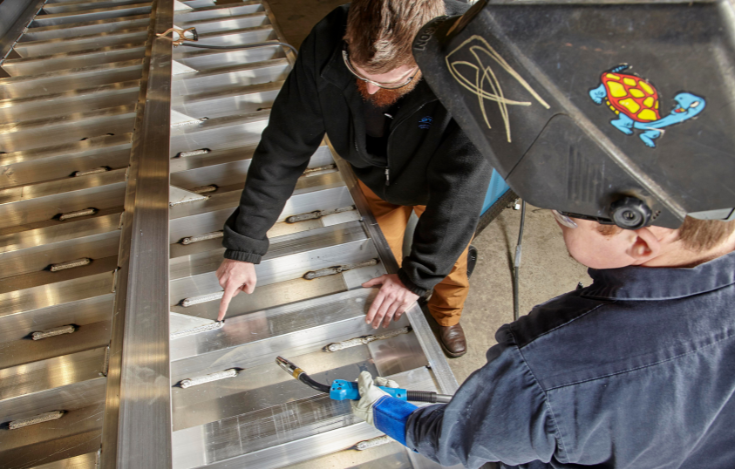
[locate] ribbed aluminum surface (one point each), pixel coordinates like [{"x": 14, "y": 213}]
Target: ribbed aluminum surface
[
  {"x": 67, "y": 107},
  {"x": 262, "y": 417}
]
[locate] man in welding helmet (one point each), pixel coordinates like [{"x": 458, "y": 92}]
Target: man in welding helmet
[
  {"x": 356, "y": 80},
  {"x": 636, "y": 370}
]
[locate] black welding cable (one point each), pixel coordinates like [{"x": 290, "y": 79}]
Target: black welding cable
[
  {"x": 428, "y": 396},
  {"x": 304, "y": 378},
  {"x": 239, "y": 46},
  {"x": 517, "y": 263}
]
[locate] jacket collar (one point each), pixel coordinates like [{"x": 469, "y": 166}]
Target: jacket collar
[
  {"x": 335, "y": 71},
  {"x": 653, "y": 283}
]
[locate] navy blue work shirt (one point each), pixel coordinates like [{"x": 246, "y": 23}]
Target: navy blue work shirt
[{"x": 635, "y": 371}]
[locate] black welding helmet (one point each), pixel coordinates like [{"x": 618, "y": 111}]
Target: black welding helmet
[{"x": 620, "y": 112}]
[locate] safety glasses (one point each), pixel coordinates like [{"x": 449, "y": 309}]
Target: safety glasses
[
  {"x": 388, "y": 86},
  {"x": 567, "y": 219},
  {"x": 564, "y": 220}
]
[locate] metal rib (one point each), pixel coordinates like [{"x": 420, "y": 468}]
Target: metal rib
[{"x": 66, "y": 123}]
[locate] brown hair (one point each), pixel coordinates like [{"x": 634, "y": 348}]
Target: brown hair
[
  {"x": 380, "y": 32},
  {"x": 701, "y": 235},
  {"x": 697, "y": 235}
]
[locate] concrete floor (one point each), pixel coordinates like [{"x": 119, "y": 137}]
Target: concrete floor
[
  {"x": 546, "y": 271},
  {"x": 546, "y": 268}
]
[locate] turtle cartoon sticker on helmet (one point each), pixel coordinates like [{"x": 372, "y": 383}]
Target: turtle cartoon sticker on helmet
[{"x": 636, "y": 103}]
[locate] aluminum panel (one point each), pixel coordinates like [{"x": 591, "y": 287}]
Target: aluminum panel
[
  {"x": 60, "y": 104},
  {"x": 274, "y": 322},
  {"x": 65, "y": 80},
  {"x": 233, "y": 22},
  {"x": 64, "y": 31},
  {"x": 78, "y": 6},
  {"x": 92, "y": 15},
  {"x": 269, "y": 296},
  {"x": 45, "y": 209},
  {"x": 219, "y": 133},
  {"x": 84, "y": 337},
  {"x": 52, "y": 373},
  {"x": 203, "y": 59},
  {"x": 201, "y": 279},
  {"x": 76, "y": 433},
  {"x": 85, "y": 461},
  {"x": 27, "y": 167},
  {"x": 95, "y": 309},
  {"x": 70, "y": 397},
  {"x": 95, "y": 55},
  {"x": 32, "y": 49},
  {"x": 32, "y": 260},
  {"x": 219, "y": 11},
  {"x": 225, "y": 79},
  {"x": 234, "y": 100},
  {"x": 35, "y": 134},
  {"x": 50, "y": 294},
  {"x": 261, "y": 417}
]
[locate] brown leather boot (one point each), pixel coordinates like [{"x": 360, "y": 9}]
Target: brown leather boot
[{"x": 452, "y": 340}]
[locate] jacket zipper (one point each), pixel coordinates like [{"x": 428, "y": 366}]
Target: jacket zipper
[{"x": 395, "y": 127}]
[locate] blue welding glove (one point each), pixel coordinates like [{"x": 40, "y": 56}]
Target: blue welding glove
[{"x": 377, "y": 408}]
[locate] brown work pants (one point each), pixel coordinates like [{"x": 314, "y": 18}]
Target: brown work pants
[{"x": 449, "y": 295}]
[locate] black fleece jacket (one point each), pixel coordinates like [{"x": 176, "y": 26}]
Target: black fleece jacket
[{"x": 430, "y": 160}]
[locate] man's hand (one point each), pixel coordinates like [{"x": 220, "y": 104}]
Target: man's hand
[
  {"x": 392, "y": 301},
  {"x": 370, "y": 393},
  {"x": 234, "y": 276}
]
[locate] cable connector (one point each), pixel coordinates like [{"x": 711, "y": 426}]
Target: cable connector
[{"x": 179, "y": 35}]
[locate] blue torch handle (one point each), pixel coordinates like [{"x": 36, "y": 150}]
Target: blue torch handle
[{"x": 342, "y": 389}]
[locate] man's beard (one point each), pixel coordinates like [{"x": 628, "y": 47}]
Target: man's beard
[{"x": 384, "y": 97}]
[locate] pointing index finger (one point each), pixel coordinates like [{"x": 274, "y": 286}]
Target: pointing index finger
[{"x": 230, "y": 291}]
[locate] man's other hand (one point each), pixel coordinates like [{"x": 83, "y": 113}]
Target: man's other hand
[
  {"x": 234, "y": 276},
  {"x": 392, "y": 301}
]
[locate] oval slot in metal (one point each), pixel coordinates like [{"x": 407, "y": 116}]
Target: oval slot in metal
[
  {"x": 36, "y": 419},
  {"x": 373, "y": 442},
  {"x": 101, "y": 169},
  {"x": 338, "y": 269},
  {"x": 202, "y": 237},
  {"x": 198, "y": 329},
  {"x": 365, "y": 339},
  {"x": 195, "y": 300},
  {"x": 315, "y": 215},
  {"x": 205, "y": 189},
  {"x": 39, "y": 335},
  {"x": 184, "y": 154},
  {"x": 326, "y": 167},
  {"x": 78, "y": 213},
  {"x": 70, "y": 264},
  {"x": 189, "y": 382}
]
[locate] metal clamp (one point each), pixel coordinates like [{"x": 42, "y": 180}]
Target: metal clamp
[{"x": 178, "y": 35}]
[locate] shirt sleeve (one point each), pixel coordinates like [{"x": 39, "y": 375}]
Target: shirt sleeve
[
  {"x": 295, "y": 130},
  {"x": 499, "y": 414},
  {"x": 458, "y": 178}
]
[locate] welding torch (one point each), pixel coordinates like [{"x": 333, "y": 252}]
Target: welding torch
[{"x": 341, "y": 389}]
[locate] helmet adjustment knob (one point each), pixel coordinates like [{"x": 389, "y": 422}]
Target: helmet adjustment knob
[{"x": 630, "y": 213}]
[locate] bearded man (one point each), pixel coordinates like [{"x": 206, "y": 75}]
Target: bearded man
[{"x": 356, "y": 80}]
